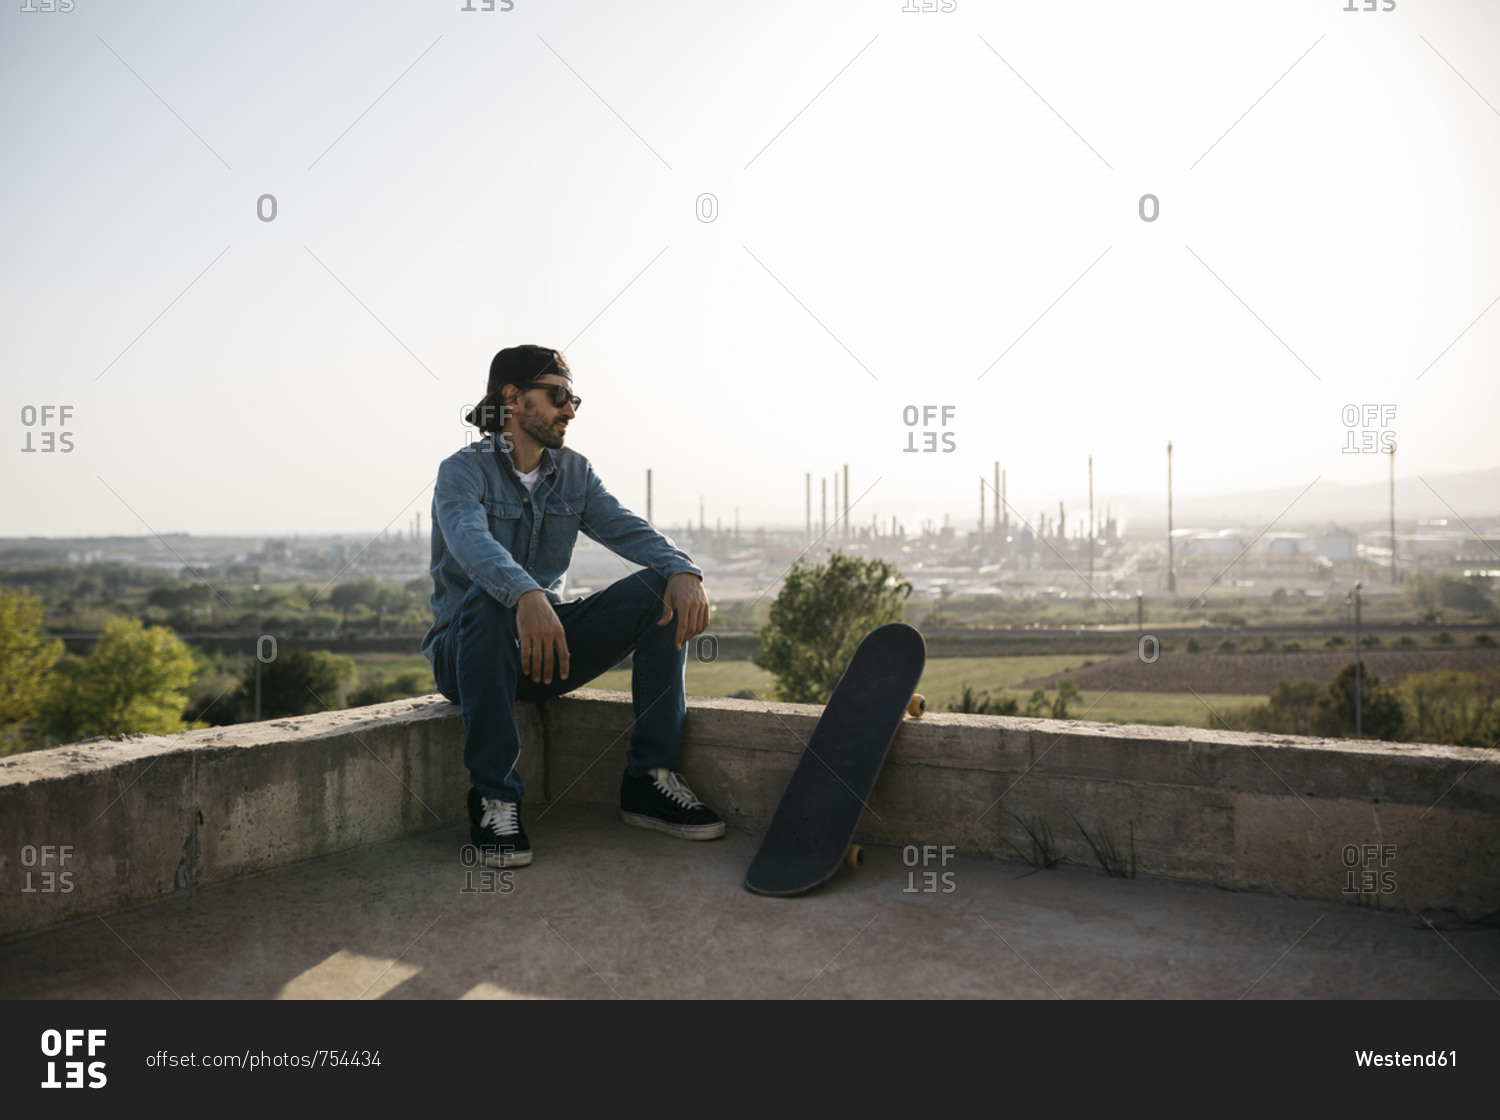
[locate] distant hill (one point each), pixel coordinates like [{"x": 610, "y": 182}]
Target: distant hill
[{"x": 1475, "y": 495}]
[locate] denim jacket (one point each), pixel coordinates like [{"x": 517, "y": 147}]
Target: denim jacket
[{"x": 487, "y": 530}]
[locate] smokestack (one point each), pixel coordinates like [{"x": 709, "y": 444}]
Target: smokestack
[
  {"x": 825, "y": 506},
  {"x": 809, "y": 507},
  {"x": 840, "y": 532},
  {"x": 1091, "y": 518},
  {"x": 981, "y": 520},
  {"x": 846, "y": 500}
]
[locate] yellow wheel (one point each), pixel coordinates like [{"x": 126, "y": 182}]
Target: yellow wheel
[
  {"x": 854, "y": 858},
  {"x": 917, "y": 706}
]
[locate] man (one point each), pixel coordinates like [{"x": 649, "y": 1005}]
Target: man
[{"x": 506, "y": 512}]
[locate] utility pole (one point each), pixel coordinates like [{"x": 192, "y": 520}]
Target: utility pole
[
  {"x": 1358, "y": 660},
  {"x": 648, "y": 496},
  {"x": 1393, "y": 513},
  {"x": 1091, "y": 519},
  {"x": 1171, "y": 572},
  {"x": 1005, "y": 525},
  {"x": 256, "y": 588},
  {"x": 846, "y": 500},
  {"x": 702, "y": 524},
  {"x": 997, "y": 506}
]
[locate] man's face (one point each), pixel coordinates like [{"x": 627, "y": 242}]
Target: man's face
[{"x": 539, "y": 418}]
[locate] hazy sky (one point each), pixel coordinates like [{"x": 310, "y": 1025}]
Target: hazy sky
[{"x": 912, "y": 208}]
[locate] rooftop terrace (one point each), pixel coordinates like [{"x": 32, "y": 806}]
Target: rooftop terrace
[{"x": 323, "y": 857}]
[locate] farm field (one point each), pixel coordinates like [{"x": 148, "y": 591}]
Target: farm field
[
  {"x": 1256, "y": 674},
  {"x": 945, "y": 677}
]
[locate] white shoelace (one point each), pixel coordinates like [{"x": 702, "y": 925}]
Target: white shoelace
[
  {"x": 499, "y": 816},
  {"x": 674, "y": 787}
]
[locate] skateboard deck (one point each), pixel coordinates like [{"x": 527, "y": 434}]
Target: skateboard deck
[{"x": 811, "y": 831}]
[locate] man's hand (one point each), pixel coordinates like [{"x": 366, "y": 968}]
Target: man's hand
[
  {"x": 685, "y": 597},
  {"x": 542, "y": 638}
]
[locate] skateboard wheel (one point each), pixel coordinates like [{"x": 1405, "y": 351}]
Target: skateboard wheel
[
  {"x": 917, "y": 706},
  {"x": 854, "y": 858}
]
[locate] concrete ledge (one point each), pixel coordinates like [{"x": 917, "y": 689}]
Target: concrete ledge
[{"x": 148, "y": 817}]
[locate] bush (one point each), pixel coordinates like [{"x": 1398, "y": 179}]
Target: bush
[
  {"x": 1484, "y": 641},
  {"x": 1450, "y": 706},
  {"x": 1226, "y": 646},
  {"x": 982, "y": 704},
  {"x": 820, "y": 616},
  {"x": 297, "y": 683},
  {"x": 1194, "y": 645}
]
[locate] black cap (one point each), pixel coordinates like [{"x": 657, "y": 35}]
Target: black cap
[
  {"x": 525, "y": 363},
  {"x": 515, "y": 365}
]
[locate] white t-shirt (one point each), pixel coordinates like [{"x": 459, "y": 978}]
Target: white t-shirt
[{"x": 529, "y": 480}]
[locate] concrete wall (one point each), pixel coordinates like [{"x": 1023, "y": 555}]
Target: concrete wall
[{"x": 146, "y": 817}]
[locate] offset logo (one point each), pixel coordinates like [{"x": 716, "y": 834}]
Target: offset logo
[{"x": 66, "y": 1044}]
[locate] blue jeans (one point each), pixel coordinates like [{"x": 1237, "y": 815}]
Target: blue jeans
[{"x": 477, "y": 665}]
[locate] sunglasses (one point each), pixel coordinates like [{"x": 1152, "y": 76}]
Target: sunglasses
[{"x": 561, "y": 395}]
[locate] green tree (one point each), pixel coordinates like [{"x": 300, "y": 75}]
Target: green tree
[
  {"x": 135, "y": 679},
  {"x": 1067, "y": 693},
  {"x": 820, "y": 616},
  {"x": 25, "y": 659},
  {"x": 1431, "y": 592},
  {"x": 1381, "y": 714},
  {"x": 1290, "y": 710},
  {"x": 298, "y": 682}
]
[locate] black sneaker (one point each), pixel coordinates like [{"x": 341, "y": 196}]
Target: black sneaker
[
  {"x": 495, "y": 829},
  {"x": 661, "y": 800}
]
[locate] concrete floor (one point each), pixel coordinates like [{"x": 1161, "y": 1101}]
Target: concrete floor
[{"x": 607, "y": 910}]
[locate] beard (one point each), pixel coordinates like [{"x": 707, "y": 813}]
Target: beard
[{"x": 546, "y": 432}]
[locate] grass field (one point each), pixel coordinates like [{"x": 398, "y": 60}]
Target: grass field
[{"x": 945, "y": 677}]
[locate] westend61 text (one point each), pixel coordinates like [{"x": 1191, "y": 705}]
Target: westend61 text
[{"x": 1436, "y": 1058}]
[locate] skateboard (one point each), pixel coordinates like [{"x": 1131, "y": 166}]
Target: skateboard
[{"x": 810, "y": 835}]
